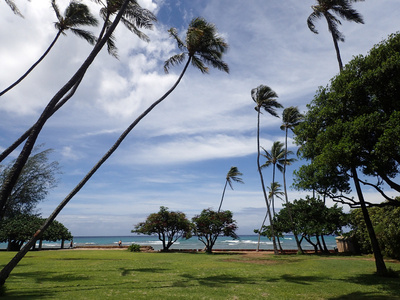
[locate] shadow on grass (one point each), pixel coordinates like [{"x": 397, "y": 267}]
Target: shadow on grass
[
  {"x": 41, "y": 277},
  {"x": 364, "y": 296},
  {"x": 303, "y": 280},
  {"x": 125, "y": 271}
]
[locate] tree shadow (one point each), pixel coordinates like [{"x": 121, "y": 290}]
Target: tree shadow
[
  {"x": 363, "y": 296},
  {"x": 41, "y": 277},
  {"x": 126, "y": 272},
  {"x": 303, "y": 280}
]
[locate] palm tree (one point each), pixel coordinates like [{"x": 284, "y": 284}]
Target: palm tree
[
  {"x": 341, "y": 8},
  {"x": 291, "y": 117},
  {"x": 75, "y": 15},
  {"x": 135, "y": 17},
  {"x": 202, "y": 43},
  {"x": 265, "y": 98},
  {"x": 273, "y": 190},
  {"x": 232, "y": 175},
  {"x": 276, "y": 158}
]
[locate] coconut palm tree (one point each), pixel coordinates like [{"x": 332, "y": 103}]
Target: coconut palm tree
[
  {"x": 328, "y": 9},
  {"x": 265, "y": 99},
  {"x": 277, "y": 158},
  {"x": 291, "y": 117},
  {"x": 203, "y": 43},
  {"x": 76, "y": 15},
  {"x": 136, "y": 17},
  {"x": 232, "y": 175},
  {"x": 273, "y": 191}
]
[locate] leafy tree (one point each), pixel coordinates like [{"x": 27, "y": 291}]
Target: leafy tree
[
  {"x": 352, "y": 126},
  {"x": 19, "y": 229},
  {"x": 209, "y": 225},
  {"x": 33, "y": 134},
  {"x": 312, "y": 219},
  {"x": 341, "y": 8},
  {"x": 232, "y": 175},
  {"x": 386, "y": 222},
  {"x": 265, "y": 99},
  {"x": 168, "y": 225},
  {"x": 33, "y": 185},
  {"x": 75, "y": 15}
]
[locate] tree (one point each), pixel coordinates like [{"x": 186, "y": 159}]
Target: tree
[
  {"x": 341, "y": 8},
  {"x": 75, "y": 15},
  {"x": 386, "y": 222},
  {"x": 232, "y": 175},
  {"x": 168, "y": 225},
  {"x": 19, "y": 229},
  {"x": 265, "y": 98},
  {"x": 352, "y": 126},
  {"x": 30, "y": 142},
  {"x": 209, "y": 225},
  {"x": 291, "y": 117},
  {"x": 312, "y": 219},
  {"x": 210, "y": 49},
  {"x": 33, "y": 185}
]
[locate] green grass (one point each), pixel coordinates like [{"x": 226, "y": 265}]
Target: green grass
[{"x": 115, "y": 274}]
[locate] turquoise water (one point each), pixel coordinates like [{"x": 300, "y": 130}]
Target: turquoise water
[{"x": 244, "y": 242}]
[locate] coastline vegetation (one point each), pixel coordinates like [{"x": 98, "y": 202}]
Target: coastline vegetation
[{"x": 96, "y": 274}]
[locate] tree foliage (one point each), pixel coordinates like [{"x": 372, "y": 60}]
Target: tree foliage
[
  {"x": 312, "y": 220},
  {"x": 209, "y": 225},
  {"x": 37, "y": 178},
  {"x": 167, "y": 225},
  {"x": 386, "y": 221},
  {"x": 17, "y": 230}
]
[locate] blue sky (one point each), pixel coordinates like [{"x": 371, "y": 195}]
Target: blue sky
[{"x": 178, "y": 156}]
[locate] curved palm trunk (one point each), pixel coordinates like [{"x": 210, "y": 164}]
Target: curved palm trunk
[
  {"x": 379, "y": 262},
  {"x": 335, "y": 43},
  {"x": 5, "y": 272},
  {"x": 262, "y": 184},
  {"x": 34, "y": 65},
  {"x": 47, "y": 112},
  {"x": 223, "y": 194},
  {"x": 299, "y": 249}
]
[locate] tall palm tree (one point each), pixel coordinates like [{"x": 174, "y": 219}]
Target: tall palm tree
[
  {"x": 277, "y": 158},
  {"x": 328, "y": 9},
  {"x": 203, "y": 43},
  {"x": 232, "y": 175},
  {"x": 76, "y": 15},
  {"x": 135, "y": 17},
  {"x": 291, "y": 117},
  {"x": 265, "y": 99}
]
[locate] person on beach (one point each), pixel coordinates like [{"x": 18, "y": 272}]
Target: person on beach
[
  {"x": 119, "y": 243},
  {"x": 71, "y": 244}
]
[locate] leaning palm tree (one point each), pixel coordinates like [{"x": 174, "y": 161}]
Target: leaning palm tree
[
  {"x": 76, "y": 15},
  {"x": 232, "y": 175},
  {"x": 265, "y": 99},
  {"x": 203, "y": 43},
  {"x": 341, "y": 8},
  {"x": 134, "y": 17},
  {"x": 291, "y": 117}
]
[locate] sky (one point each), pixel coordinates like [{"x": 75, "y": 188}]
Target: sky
[{"x": 179, "y": 155}]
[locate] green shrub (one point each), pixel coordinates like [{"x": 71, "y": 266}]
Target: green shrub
[{"x": 134, "y": 248}]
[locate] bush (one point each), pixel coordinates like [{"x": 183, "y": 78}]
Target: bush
[{"x": 134, "y": 248}]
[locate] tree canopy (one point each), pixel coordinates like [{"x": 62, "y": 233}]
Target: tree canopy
[
  {"x": 209, "y": 225},
  {"x": 167, "y": 225}
]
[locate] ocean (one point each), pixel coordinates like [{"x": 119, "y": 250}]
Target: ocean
[{"x": 244, "y": 242}]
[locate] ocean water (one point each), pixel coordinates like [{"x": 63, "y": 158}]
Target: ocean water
[{"x": 244, "y": 242}]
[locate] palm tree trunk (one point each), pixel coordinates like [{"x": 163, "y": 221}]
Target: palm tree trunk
[
  {"x": 262, "y": 184},
  {"x": 335, "y": 43},
  {"x": 5, "y": 272},
  {"x": 379, "y": 262},
  {"x": 16, "y": 169},
  {"x": 223, "y": 194},
  {"x": 34, "y": 65},
  {"x": 299, "y": 249}
]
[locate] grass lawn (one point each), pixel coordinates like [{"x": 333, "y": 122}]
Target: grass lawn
[{"x": 118, "y": 274}]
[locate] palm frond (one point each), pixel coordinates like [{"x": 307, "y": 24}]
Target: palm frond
[
  {"x": 174, "y": 33},
  {"x": 132, "y": 28},
  {"x": 14, "y": 8},
  {"x": 86, "y": 35},
  {"x": 111, "y": 47},
  {"x": 174, "y": 60},
  {"x": 198, "y": 64},
  {"x": 56, "y": 10}
]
